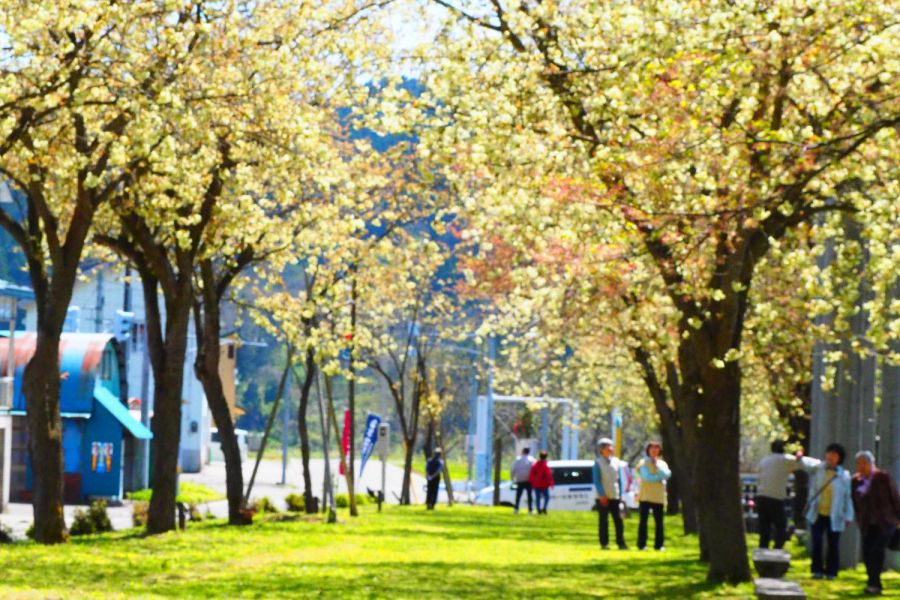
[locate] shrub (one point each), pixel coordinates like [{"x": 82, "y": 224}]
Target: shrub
[
  {"x": 343, "y": 500},
  {"x": 29, "y": 533},
  {"x": 263, "y": 505},
  {"x": 93, "y": 520},
  {"x": 139, "y": 513},
  {"x": 5, "y": 535},
  {"x": 295, "y": 502},
  {"x": 194, "y": 513}
]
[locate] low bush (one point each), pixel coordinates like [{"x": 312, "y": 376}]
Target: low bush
[
  {"x": 194, "y": 513},
  {"x": 295, "y": 502},
  {"x": 263, "y": 505},
  {"x": 343, "y": 500},
  {"x": 139, "y": 513},
  {"x": 94, "y": 520},
  {"x": 6, "y": 535}
]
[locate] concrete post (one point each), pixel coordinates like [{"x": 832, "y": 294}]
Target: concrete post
[
  {"x": 846, "y": 413},
  {"x": 888, "y": 451}
]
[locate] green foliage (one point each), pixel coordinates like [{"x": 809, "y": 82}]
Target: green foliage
[
  {"x": 459, "y": 552},
  {"x": 188, "y": 492},
  {"x": 94, "y": 520},
  {"x": 343, "y": 500},
  {"x": 29, "y": 533},
  {"x": 263, "y": 505},
  {"x": 295, "y": 502}
]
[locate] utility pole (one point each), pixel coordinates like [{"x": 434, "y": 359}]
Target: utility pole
[
  {"x": 285, "y": 430},
  {"x": 101, "y": 300}
]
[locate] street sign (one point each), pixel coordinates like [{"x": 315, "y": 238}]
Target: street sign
[{"x": 382, "y": 443}]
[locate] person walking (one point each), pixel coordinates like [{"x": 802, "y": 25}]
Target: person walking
[
  {"x": 654, "y": 472},
  {"x": 433, "y": 470},
  {"x": 520, "y": 473},
  {"x": 541, "y": 479},
  {"x": 829, "y": 509},
  {"x": 877, "y": 505},
  {"x": 771, "y": 493},
  {"x": 606, "y": 483}
]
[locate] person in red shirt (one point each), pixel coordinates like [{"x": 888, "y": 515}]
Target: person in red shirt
[{"x": 541, "y": 479}]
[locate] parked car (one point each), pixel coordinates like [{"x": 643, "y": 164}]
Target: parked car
[
  {"x": 573, "y": 487},
  {"x": 215, "y": 445},
  {"x": 460, "y": 493}
]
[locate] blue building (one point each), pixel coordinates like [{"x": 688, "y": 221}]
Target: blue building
[{"x": 99, "y": 432}]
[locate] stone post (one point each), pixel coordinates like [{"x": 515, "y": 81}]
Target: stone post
[{"x": 846, "y": 413}]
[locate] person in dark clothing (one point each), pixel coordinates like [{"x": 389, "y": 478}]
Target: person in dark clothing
[
  {"x": 433, "y": 469},
  {"x": 877, "y": 505}
]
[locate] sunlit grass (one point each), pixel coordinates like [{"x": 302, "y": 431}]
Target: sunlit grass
[{"x": 457, "y": 552}]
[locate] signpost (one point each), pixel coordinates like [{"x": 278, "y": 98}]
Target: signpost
[{"x": 381, "y": 444}]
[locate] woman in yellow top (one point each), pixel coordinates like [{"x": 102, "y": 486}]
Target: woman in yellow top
[
  {"x": 830, "y": 509},
  {"x": 654, "y": 472}
]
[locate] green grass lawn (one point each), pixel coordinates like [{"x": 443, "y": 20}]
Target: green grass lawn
[
  {"x": 188, "y": 492},
  {"x": 458, "y": 552}
]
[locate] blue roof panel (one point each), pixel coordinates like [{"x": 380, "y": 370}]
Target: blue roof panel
[{"x": 120, "y": 412}]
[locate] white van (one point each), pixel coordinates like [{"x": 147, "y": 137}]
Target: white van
[
  {"x": 215, "y": 445},
  {"x": 573, "y": 487}
]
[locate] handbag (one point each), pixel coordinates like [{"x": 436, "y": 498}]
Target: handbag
[{"x": 817, "y": 494}]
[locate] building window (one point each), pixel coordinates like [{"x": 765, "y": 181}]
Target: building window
[{"x": 106, "y": 366}]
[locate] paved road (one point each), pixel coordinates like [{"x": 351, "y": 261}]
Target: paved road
[
  {"x": 268, "y": 479},
  {"x": 268, "y": 483}
]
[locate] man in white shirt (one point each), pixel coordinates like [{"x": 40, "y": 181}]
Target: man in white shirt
[
  {"x": 520, "y": 473},
  {"x": 771, "y": 493}
]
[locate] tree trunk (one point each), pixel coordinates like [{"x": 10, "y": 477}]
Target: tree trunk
[
  {"x": 674, "y": 446},
  {"x": 680, "y": 488},
  {"x": 279, "y": 394},
  {"x": 716, "y": 471},
  {"x": 206, "y": 367},
  {"x": 303, "y": 429},
  {"x": 167, "y": 360},
  {"x": 408, "y": 453},
  {"x": 41, "y": 387}
]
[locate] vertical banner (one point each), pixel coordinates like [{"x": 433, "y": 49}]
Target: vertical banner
[
  {"x": 345, "y": 442},
  {"x": 369, "y": 440}
]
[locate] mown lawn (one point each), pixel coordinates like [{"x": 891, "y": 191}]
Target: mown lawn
[{"x": 458, "y": 552}]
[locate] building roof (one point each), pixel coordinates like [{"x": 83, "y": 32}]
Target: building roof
[
  {"x": 120, "y": 412},
  {"x": 9, "y": 289}
]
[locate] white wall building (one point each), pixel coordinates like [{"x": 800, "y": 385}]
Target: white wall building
[{"x": 98, "y": 296}]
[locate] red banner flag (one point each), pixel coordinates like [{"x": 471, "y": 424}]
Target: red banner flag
[{"x": 345, "y": 441}]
